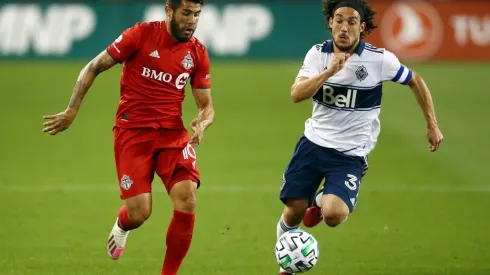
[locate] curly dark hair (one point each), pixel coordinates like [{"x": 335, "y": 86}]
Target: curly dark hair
[{"x": 329, "y": 5}]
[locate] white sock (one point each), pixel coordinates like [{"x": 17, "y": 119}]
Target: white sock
[
  {"x": 282, "y": 227},
  {"x": 318, "y": 199}
]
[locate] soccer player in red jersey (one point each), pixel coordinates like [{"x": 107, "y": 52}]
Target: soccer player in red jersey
[{"x": 149, "y": 136}]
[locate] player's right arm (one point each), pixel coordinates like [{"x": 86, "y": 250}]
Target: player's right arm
[
  {"x": 119, "y": 51},
  {"x": 312, "y": 76},
  {"x": 61, "y": 121}
]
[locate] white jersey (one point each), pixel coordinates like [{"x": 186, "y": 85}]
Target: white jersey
[{"x": 346, "y": 109}]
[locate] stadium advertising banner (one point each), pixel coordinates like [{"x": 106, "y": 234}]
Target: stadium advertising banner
[
  {"x": 82, "y": 30},
  {"x": 434, "y": 30},
  {"x": 414, "y": 30}
]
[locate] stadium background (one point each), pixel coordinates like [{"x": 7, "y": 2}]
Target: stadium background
[{"x": 419, "y": 212}]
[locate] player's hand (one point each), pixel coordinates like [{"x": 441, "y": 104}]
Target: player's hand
[
  {"x": 434, "y": 136},
  {"x": 59, "y": 122},
  {"x": 338, "y": 61},
  {"x": 198, "y": 133}
]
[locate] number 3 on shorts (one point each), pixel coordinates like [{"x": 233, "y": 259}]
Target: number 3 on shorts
[{"x": 351, "y": 182}]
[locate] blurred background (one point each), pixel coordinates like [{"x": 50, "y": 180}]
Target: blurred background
[{"x": 419, "y": 212}]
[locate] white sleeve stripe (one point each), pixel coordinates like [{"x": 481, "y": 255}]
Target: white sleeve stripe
[
  {"x": 399, "y": 73},
  {"x": 407, "y": 79},
  {"x": 403, "y": 75}
]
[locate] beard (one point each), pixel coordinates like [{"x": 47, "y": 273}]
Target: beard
[
  {"x": 176, "y": 32},
  {"x": 346, "y": 48}
]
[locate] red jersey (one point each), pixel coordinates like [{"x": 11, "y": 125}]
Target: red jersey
[{"x": 155, "y": 73}]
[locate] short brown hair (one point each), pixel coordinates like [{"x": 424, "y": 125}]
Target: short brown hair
[{"x": 175, "y": 4}]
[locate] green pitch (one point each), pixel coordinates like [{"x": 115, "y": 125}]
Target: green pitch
[{"x": 419, "y": 212}]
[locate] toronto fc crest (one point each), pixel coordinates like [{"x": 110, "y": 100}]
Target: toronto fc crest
[{"x": 188, "y": 62}]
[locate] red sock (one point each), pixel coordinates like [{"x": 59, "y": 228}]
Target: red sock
[
  {"x": 123, "y": 218},
  {"x": 179, "y": 237}
]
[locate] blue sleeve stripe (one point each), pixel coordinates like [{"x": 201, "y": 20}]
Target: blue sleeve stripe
[
  {"x": 409, "y": 76},
  {"x": 399, "y": 73}
]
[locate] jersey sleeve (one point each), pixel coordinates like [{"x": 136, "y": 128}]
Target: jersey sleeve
[
  {"x": 393, "y": 70},
  {"x": 312, "y": 64},
  {"x": 126, "y": 45},
  {"x": 201, "y": 78}
]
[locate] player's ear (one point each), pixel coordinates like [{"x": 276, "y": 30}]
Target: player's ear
[
  {"x": 363, "y": 26},
  {"x": 168, "y": 12},
  {"x": 330, "y": 22}
]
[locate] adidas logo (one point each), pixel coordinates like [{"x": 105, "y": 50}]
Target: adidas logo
[{"x": 155, "y": 54}]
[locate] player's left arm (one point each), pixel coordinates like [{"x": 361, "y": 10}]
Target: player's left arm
[
  {"x": 395, "y": 71},
  {"x": 201, "y": 90},
  {"x": 205, "y": 116},
  {"x": 424, "y": 99}
]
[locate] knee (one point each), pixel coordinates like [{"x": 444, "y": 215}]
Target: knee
[
  {"x": 335, "y": 211},
  {"x": 334, "y": 219},
  {"x": 184, "y": 197},
  {"x": 187, "y": 202},
  {"x": 140, "y": 214},
  {"x": 295, "y": 210},
  {"x": 138, "y": 208}
]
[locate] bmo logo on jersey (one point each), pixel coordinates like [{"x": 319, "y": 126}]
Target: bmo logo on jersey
[
  {"x": 346, "y": 99},
  {"x": 180, "y": 81}
]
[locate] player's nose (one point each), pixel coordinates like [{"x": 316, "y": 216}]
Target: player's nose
[{"x": 193, "y": 19}]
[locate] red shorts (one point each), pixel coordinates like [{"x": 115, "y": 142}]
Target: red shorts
[{"x": 139, "y": 153}]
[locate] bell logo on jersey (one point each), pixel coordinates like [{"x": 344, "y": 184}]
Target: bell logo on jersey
[
  {"x": 339, "y": 100},
  {"x": 180, "y": 81}
]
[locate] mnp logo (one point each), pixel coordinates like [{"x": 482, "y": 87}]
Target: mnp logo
[{"x": 412, "y": 30}]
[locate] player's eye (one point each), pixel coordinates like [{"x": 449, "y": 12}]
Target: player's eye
[{"x": 186, "y": 13}]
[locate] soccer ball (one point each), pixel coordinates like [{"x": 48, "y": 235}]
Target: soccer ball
[{"x": 297, "y": 251}]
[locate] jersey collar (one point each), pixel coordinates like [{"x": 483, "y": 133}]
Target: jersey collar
[{"x": 328, "y": 47}]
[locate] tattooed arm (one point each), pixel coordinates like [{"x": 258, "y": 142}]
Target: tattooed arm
[{"x": 61, "y": 121}]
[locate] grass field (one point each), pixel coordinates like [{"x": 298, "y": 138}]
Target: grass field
[{"x": 419, "y": 212}]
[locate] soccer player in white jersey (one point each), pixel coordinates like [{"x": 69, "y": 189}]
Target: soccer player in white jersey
[{"x": 344, "y": 78}]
